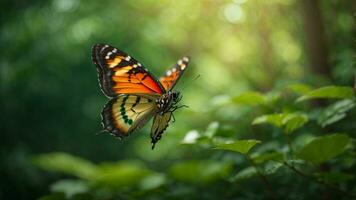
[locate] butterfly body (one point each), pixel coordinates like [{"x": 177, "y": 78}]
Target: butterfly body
[
  {"x": 135, "y": 95},
  {"x": 168, "y": 102}
]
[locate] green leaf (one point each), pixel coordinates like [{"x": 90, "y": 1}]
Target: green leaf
[
  {"x": 294, "y": 121},
  {"x": 244, "y": 174},
  {"x": 264, "y": 157},
  {"x": 240, "y": 146},
  {"x": 152, "y": 182},
  {"x": 70, "y": 187},
  {"x": 211, "y": 129},
  {"x": 288, "y": 121},
  {"x": 56, "y": 196},
  {"x": 272, "y": 97},
  {"x": 272, "y": 167},
  {"x": 249, "y": 98},
  {"x": 274, "y": 119},
  {"x": 200, "y": 171},
  {"x": 66, "y": 163},
  {"x": 191, "y": 137},
  {"x": 123, "y": 173},
  {"x": 335, "y": 112},
  {"x": 324, "y": 148},
  {"x": 328, "y": 92},
  {"x": 300, "y": 88},
  {"x": 250, "y": 172},
  {"x": 335, "y": 177}
]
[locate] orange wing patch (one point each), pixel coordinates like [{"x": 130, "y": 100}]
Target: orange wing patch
[
  {"x": 119, "y": 73},
  {"x": 170, "y": 79},
  {"x": 131, "y": 80},
  {"x": 114, "y": 62}
]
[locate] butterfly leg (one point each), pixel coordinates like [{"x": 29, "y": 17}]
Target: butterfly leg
[
  {"x": 177, "y": 107},
  {"x": 174, "y": 119}
]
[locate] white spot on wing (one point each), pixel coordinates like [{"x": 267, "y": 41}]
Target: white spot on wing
[
  {"x": 105, "y": 46},
  {"x": 108, "y": 55},
  {"x": 180, "y": 62},
  {"x": 169, "y": 72},
  {"x": 182, "y": 67},
  {"x": 128, "y": 58},
  {"x": 185, "y": 59}
]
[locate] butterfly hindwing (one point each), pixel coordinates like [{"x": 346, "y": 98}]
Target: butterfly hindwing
[
  {"x": 170, "y": 79},
  {"x": 119, "y": 73},
  {"x": 126, "y": 113},
  {"x": 160, "y": 123}
]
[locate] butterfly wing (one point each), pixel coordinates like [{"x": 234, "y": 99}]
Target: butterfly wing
[
  {"x": 160, "y": 123},
  {"x": 126, "y": 113},
  {"x": 170, "y": 79},
  {"x": 119, "y": 73}
]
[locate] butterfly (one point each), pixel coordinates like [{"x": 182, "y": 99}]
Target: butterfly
[{"x": 135, "y": 94}]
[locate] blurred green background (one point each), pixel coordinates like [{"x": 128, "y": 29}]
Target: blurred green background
[{"x": 279, "y": 49}]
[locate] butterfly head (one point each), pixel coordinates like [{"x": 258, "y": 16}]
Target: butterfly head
[
  {"x": 168, "y": 102},
  {"x": 176, "y": 96}
]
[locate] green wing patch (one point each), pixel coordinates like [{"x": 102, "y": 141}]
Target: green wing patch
[{"x": 126, "y": 113}]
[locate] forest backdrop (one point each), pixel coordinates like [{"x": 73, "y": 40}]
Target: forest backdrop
[{"x": 272, "y": 114}]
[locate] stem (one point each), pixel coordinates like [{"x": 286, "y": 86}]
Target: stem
[
  {"x": 323, "y": 183},
  {"x": 355, "y": 82},
  {"x": 290, "y": 144},
  {"x": 262, "y": 176}
]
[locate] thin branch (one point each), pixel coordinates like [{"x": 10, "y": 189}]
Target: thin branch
[
  {"x": 262, "y": 176},
  {"x": 355, "y": 82},
  {"x": 289, "y": 144},
  {"x": 323, "y": 183}
]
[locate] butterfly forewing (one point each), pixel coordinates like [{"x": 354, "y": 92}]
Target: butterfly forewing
[
  {"x": 126, "y": 113},
  {"x": 119, "y": 73},
  {"x": 170, "y": 79}
]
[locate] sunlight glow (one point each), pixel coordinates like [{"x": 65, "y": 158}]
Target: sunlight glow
[
  {"x": 239, "y": 1},
  {"x": 65, "y": 5},
  {"x": 234, "y": 13}
]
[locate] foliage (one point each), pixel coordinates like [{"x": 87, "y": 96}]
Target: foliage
[
  {"x": 328, "y": 92},
  {"x": 241, "y": 146},
  {"x": 288, "y": 121},
  {"x": 200, "y": 171},
  {"x": 335, "y": 112},
  {"x": 61, "y": 162},
  {"x": 250, "y": 98},
  {"x": 324, "y": 148},
  {"x": 264, "y": 121},
  {"x": 265, "y": 160}
]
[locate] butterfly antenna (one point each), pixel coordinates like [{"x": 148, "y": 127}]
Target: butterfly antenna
[
  {"x": 191, "y": 81},
  {"x": 99, "y": 132}
]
